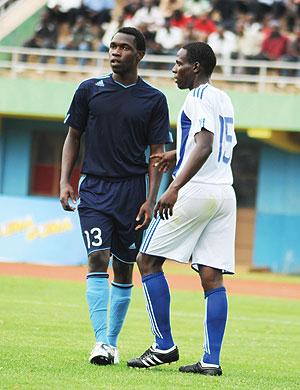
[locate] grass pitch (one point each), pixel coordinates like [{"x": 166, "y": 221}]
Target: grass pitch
[{"x": 45, "y": 340}]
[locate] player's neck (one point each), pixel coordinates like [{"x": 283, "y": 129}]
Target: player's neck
[
  {"x": 200, "y": 81},
  {"x": 125, "y": 79}
]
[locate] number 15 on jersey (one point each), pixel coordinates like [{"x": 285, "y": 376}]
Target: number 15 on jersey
[{"x": 227, "y": 139}]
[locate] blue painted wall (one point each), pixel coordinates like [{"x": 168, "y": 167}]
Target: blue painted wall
[
  {"x": 38, "y": 230},
  {"x": 16, "y": 158},
  {"x": 277, "y": 234}
]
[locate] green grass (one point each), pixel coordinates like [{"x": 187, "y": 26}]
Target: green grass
[
  {"x": 45, "y": 340},
  {"x": 242, "y": 273}
]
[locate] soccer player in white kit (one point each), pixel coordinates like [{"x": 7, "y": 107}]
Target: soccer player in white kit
[{"x": 195, "y": 218}]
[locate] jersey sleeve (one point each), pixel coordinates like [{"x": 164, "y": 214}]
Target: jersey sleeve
[
  {"x": 201, "y": 113},
  {"x": 159, "y": 126},
  {"x": 78, "y": 112}
]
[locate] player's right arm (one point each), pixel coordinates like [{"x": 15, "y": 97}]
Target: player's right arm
[
  {"x": 69, "y": 156},
  {"x": 164, "y": 161}
]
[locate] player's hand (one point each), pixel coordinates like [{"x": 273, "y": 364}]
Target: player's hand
[
  {"x": 66, "y": 193},
  {"x": 144, "y": 216},
  {"x": 164, "y": 206},
  {"x": 164, "y": 161}
]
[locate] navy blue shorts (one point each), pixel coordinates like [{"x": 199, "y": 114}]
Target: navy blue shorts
[{"x": 107, "y": 210}]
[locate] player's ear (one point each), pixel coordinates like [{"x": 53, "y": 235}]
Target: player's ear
[
  {"x": 140, "y": 55},
  {"x": 197, "y": 67}
]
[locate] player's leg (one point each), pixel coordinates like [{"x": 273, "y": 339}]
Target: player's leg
[
  {"x": 213, "y": 255},
  {"x": 97, "y": 228},
  {"x": 97, "y": 241},
  {"x": 214, "y": 322},
  {"x": 128, "y": 195},
  {"x": 215, "y": 313},
  {"x": 157, "y": 297},
  {"x": 97, "y": 292},
  {"x": 120, "y": 296}
]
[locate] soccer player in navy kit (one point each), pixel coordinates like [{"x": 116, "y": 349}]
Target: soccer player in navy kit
[{"x": 120, "y": 115}]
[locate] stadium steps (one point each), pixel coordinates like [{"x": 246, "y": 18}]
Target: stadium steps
[{"x": 17, "y": 13}]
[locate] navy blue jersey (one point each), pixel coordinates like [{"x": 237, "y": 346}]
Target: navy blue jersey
[{"x": 119, "y": 122}]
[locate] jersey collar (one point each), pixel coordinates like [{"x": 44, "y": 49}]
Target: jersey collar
[{"x": 126, "y": 86}]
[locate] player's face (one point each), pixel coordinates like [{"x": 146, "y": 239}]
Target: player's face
[
  {"x": 123, "y": 55},
  {"x": 184, "y": 75}
]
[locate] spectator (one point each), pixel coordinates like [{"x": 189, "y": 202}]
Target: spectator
[
  {"x": 168, "y": 7},
  {"x": 274, "y": 45},
  {"x": 149, "y": 15},
  {"x": 261, "y": 8},
  {"x": 248, "y": 42},
  {"x": 196, "y": 7},
  {"x": 81, "y": 38},
  {"x": 204, "y": 24},
  {"x": 223, "y": 42},
  {"x": 152, "y": 46},
  {"x": 292, "y": 55},
  {"x": 110, "y": 29},
  {"x": 179, "y": 19},
  {"x": 169, "y": 38},
  {"x": 98, "y": 11},
  {"x": 64, "y": 10},
  {"x": 130, "y": 8},
  {"x": 190, "y": 34},
  {"x": 45, "y": 37},
  {"x": 226, "y": 10}
]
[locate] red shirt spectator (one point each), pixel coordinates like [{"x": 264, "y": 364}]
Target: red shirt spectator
[
  {"x": 179, "y": 19},
  {"x": 204, "y": 24},
  {"x": 276, "y": 44}
]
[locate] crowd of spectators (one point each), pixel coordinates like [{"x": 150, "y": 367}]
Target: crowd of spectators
[{"x": 239, "y": 29}]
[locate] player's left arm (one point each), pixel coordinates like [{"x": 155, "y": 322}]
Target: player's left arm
[
  {"x": 200, "y": 153},
  {"x": 145, "y": 213}
]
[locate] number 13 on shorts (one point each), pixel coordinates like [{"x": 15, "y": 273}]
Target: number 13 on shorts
[{"x": 93, "y": 237}]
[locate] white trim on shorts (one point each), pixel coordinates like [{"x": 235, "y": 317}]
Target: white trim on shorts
[
  {"x": 122, "y": 261},
  {"x": 97, "y": 250}
]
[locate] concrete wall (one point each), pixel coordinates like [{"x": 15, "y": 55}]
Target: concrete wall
[{"x": 245, "y": 230}]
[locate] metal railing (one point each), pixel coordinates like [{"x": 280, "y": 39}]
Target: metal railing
[{"x": 19, "y": 59}]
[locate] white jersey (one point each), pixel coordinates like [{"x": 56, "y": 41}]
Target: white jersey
[{"x": 210, "y": 108}]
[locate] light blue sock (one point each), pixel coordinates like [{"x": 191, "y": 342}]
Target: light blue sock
[
  {"x": 120, "y": 297},
  {"x": 97, "y": 294},
  {"x": 214, "y": 324}
]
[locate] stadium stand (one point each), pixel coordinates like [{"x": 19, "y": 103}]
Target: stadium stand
[
  {"x": 14, "y": 13},
  {"x": 242, "y": 33}
]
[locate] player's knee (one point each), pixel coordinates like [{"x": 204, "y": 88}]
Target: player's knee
[
  {"x": 210, "y": 278},
  {"x": 122, "y": 272},
  {"x": 98, "y": 261},
  {"x": 210, "y": 285},
  {"x": 149, "y": 264}
]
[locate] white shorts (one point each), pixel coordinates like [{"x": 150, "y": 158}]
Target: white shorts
[{"x": 202, "y": 228}]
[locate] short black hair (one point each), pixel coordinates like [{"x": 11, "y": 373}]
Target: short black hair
[
  {"x": 139, "y": 37},
  {"x": 201, "y": 52}
]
